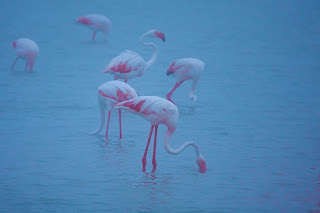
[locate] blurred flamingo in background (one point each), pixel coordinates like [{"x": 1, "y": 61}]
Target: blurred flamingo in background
[
  {"x": 160, "y": 111},
  {"x": 26, "y": 49},
  {"x": 130, "y": 64},
  {"x": 185, "y": 69},
  {"x": 96, "y": 22},
  {"x": 110, "y": 93}
]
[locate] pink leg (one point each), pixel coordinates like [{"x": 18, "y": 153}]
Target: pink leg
[
  {"x": 115, "y": 78},
  {"x": 154, "y": 162},
  {"x": 144, "y": 159},
  {"x": 109, "y": 113},
  {"x": 31, "y": 64},
  {"x": 14, "y": 63},
  {"x": 94, "y": 35},
  {"x": 125, "y": 81},
  {"x": 25, "y": 69},
  {"x": 120, "y": 124},
  {"x": 174, "y": 88}
]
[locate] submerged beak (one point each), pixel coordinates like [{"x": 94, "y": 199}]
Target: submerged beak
[{"x": 169, "y": 72}]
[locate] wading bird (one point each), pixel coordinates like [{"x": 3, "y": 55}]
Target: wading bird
[
  {"x": 130, "y": 64},
  {"x": 185, "y": 69},
  {"x": 95, "y": 22},
  {"x": 110, "y": 93},
  {"x": 160, "y": 111},
  {"x": 26, "y": 49}
]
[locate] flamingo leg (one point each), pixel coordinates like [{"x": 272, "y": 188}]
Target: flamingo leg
[
  {"x": 154, "y": 162},
  {"x": 27, "y": 63},
  {"x": 93, "y": 35},
  {"x": 115, "y": 78},
  {"x": 14, "y": 63},
  {"x": 192, "y": 96},
  {"x": 144, "y": 159},
  {"x": 31, "y": 64},
  {"x": 109, "y": 113},
  {"x": 174, "y": 88},
  {"x": 120, "y": 124}
]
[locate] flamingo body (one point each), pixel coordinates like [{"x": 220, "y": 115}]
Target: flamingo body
[
  {"x": 185, "y": 69},
  {"x": 130, "y": 64},
  {"x": 96, "y": 22},
  {"x": 126, "y": 66},
  {"x": 110, "y": 93},
  {"x": 26, "y": 49},
  {"x": 160, "y": 111}
]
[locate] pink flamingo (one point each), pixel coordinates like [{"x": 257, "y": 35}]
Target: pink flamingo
[
  {"x": 26, "y": 49},
  {"x": 96, "y": 22},
  {"x": 130, "y": 64},
  {"x": 110, "y": 93},
  {"x": 160, "y": 111},
  {"x": 185, "y": 69}
]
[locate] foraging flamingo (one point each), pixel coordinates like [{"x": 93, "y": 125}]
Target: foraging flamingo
[
  {"x": 96, "y": 22},
  {"x": 110, "y": 93},
  {"x": 26, "y": 49},
  {"x": 185, "y": 69},
  {"x": 130, "y": 64},
  {"x": 160, "y": 111}
]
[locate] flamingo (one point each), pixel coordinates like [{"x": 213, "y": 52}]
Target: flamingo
[
  {"x": 109, "y": 93},
  {"x": 26, "y": 49},
  {"x": 96, "y": 22},
  {"x": 130, "y": 64},
  {"x": 160, "y": 111},
  {"x": 185, "y": 69}
]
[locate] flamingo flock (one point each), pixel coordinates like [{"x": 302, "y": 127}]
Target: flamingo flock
[{"x": 119, "y": 95}]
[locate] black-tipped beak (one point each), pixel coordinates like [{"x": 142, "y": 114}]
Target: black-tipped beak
[
  {"x": 169, "y": 73},
  {"x": 164, "y": 40}
]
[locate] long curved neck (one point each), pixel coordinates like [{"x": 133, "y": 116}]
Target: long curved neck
[
  {"x": 155, "y": 52},
  {"x": 181, "y": 148}
]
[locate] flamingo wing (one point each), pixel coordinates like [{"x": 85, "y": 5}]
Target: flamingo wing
[
  {"x": 117, "y": 91},
  {"x": 126, "y": 62},
  {"x": 99, "y": 21},
  {"x": 152, "y": 108}
]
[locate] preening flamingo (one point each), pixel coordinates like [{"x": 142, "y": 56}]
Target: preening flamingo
[
  {"x": 160, "y": 111},
  {"x": 96, "y": 22},
  {"x": 110, "y": 93},
  {"x": 26, "y": 49},
  {"x": 185, "y": 69},
  {"x": 130, "y": 64}
]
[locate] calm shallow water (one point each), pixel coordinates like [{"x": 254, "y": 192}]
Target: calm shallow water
[{"x": 256, "y": 119}]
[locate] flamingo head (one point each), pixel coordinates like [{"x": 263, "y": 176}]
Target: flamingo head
[
  {"x": 155, "y": 34},
  {"x": 14, "y": 44},
  {"x": 171, "y": 69},
  {"x": 202, "y": 164},
  {"x": 83, "y": 20}
]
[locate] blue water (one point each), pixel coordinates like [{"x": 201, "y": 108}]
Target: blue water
[{"x": 256, "y": 120}]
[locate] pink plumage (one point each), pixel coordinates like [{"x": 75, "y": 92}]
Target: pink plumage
[
  {"x": 130, "y": 64},
  {"x": 26, "y": 49},
  {"x": 160, "y": 111},
  {"x": 185, "y": 69},
  {"x": 110, "y": 93},
  {"x": 96, "y": 22}
]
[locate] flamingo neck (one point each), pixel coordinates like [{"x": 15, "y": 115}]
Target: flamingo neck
[
  {"x": 181, "y": 148},
  {"x": 155, "y": 52}
]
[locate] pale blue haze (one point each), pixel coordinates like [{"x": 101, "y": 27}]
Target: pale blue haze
[{"x": 256, "y": 119}]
